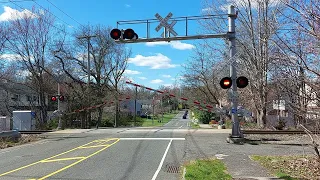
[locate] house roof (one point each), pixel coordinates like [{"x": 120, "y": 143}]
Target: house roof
[{"x": 17, "y": 88}]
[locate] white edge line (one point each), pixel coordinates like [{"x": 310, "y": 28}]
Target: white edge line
[
  {"x": 161, "y": 162},
  {"x": 153, "y": 139}
]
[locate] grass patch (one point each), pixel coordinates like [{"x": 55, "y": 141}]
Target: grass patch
[
  {"x": 156, "y": 121},
  {"x": 206, "y": 170},
  {"x": 195, "y": 126},
  {"x": 290, "y": 167}
]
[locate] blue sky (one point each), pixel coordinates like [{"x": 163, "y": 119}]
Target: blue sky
[{"x": 151, "y": 65}]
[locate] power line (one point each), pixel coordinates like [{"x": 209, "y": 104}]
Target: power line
[
  {"x": 44, "y": 20},
  {"x": 16, "y": 1},
  {"x": 51, "y": 13},
  {"x": 65, "y": 13}
]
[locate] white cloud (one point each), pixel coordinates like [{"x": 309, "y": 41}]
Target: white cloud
[
  {"x": 70, "y": 26},
  {"x": 181, "y": 46},
  {"x": 10, "y": 14},
  {"x": 206, "y": 9},
  {"x": 143, "y": 78},
  {"x": 173, "y": 79},
  {"x": 168, "y": 85},
  {"x": 127, "y": 78},
  {"x": 159, "y": 61},
  {"x": 131, "y": 72},
  {"x": 41, "y": 11},
  {"x": 254, "y": 4},
  {"x": 23, "y": 73},
  {"x": 127, "y": 5},
  {"x": 166, "y": 76},
  {"x": 9, "y": 57},
  {"x": 181, "y": 77},
  {"x": 174, "y": 44},
  {"x": 156, "y": 81}
]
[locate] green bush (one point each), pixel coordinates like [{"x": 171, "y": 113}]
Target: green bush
[
  {"x": 205, "y": 117},
  {"x": 52, "y": 124}
]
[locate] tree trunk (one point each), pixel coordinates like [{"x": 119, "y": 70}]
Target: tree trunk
[
  {"x": 261, "y": 118},
  {"x": 43, "y": 109},
  {"x": 117, "y": 113},
  {"x": 100, "y": 111}
]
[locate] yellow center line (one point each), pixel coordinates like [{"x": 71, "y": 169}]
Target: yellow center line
[
  {"x": 63, "y": 159},
  {"x": 62, "y": 169},
  {"x": 94, "y": 146}
]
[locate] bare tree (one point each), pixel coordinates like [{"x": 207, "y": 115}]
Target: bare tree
[
  {"x": 30, "y": 37},
  {"x": 200, "y": 73},
  {"x": 257, "y": 23},
  {"x": 108, "y": 62}
]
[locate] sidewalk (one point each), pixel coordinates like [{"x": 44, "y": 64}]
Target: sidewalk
[{"x": 71, "y": 131}]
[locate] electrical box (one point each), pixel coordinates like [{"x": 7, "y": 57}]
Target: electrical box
[{"x": 24, "y": 120}]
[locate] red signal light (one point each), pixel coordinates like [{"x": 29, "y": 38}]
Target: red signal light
[
  {"x": 242, "y": 82},
  {"x": 61, "y": 98},
  {"x": 115, "y": 34},
  {"x": 226, "y": 82},
  {"x": 53, "y": 98},
  {"x": 129, "y": 34}
]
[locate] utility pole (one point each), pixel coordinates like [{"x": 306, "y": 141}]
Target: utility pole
[
  {"x": 153, "y": 110},
  {"x": 88, "y": 37},
  {"x": 162, "y": 108},
  {"x": 236, "y": 133},
  {"x": 135, "y": 106},
  {"x": 59, "y": 123}
]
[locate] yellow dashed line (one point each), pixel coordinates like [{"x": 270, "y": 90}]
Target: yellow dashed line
[{"x": 62, "y": 159}]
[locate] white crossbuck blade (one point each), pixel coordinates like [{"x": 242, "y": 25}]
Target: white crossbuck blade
[{"x": 164, "y": 23}]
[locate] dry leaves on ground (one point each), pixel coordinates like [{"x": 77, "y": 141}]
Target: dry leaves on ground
[{"x": 25, "y": 138}]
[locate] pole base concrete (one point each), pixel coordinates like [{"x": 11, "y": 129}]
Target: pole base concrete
[{"x": 235, "y": 140}]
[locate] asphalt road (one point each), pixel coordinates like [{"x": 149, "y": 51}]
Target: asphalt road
[
  {"x": 129, "y": 153},
  {"x": 178, "y": 122}
]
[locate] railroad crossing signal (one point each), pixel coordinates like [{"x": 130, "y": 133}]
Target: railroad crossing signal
[
  {"x": 117, "y": 34},
  {"x": 55, "y": 98},
  {"x": 226, "y": 82},
  {"x": 241, "y": 81},
  {"x": 164, "y": 23}
]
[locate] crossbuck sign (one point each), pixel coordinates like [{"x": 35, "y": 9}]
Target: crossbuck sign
[{"x": 164, "y": 23}]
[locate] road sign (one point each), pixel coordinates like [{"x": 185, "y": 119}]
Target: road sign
[
  {"x": 233, "y": 111},
  {"x": 164, "y": 23}
]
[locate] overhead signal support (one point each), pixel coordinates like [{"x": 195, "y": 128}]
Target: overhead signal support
[{"x": 236, "y": 135}]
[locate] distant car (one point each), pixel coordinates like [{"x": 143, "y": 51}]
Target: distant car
[{"x": 143, "y": 116}]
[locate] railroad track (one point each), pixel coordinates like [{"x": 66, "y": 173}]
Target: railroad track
[
  {"x": 35, "y": 132},
  {"x": 276, "y": 132}
]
